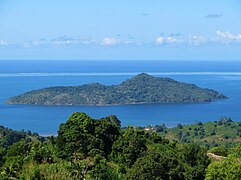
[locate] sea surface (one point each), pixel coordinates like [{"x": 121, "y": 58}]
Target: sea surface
[{"x": 19, "y": 76}]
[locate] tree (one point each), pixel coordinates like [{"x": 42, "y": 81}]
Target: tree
[
  {"x": 195, "y": 159},
  {"x": 107, "y": 130},
  {"x": 11, "y": 168},
  {"x": 82, "y": 134},
  {"x": 103, "y": 171},
  {"x": 220, "y": 151},
  {"x": 2, "y": 154},
  {"x": 179, "y": 126},
  {"x": 75, "y": 135},
  {"x": 42, "y": 152},
  {"x": 21, "y": 148},
  {"x": 78, "y": 169},
  {"x": 130, "y": 145},
  {"x": 229, "y": 168},
  {"x": 156, "y": 164}
]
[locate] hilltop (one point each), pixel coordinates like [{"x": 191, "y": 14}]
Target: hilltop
[{"x": 142, "y": 88}]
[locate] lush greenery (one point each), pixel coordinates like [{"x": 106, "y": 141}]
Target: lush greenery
[
  {"x": 224, "y": 132},
  {"x": 228, "y": 168},
  {"x": 142, "y": 88},
  {"x": 9, "y": 136},
  {"x": 86, "y": 148}
]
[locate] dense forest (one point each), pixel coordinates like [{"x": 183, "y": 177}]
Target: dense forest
[
  {"x": 86, "y": 148},
  {"x": 141, "y": 88}
]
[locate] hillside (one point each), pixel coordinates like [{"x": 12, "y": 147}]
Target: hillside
[
  {"x": 9, "y": 136},
  {"x": 223, "y": 132},
  {"x": 88, "y": 148},
  {"x": 142, "y": 88}
]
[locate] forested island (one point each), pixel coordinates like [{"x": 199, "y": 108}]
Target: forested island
[
  {"x": 88, "y": 148},
  {"x": 142, "y": 88}
]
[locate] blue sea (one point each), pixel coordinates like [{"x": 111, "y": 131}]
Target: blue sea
[{"x": 19, "y": 76}]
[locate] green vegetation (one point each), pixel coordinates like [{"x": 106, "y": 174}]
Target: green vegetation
[
  {"x": 228, "y": 168},
  {"x": 9, "y": 136},
  {"x": 142, "y": 88},
  {"x": 86, "y": 148},
  {"x": 224, "y": 132}
]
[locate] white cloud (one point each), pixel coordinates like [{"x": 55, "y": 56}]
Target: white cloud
[
  {"x": 107, "y": 41},
  {"x": 171, "y": 40},
  {"x": 37, "y": 43},
  {"x": 65, "y": 41},
  {"x": 160, "y": 40},
  {"x": 4, "y": 43},
  {"x": 197, "y": 40},
  {"x": 227, "y": 37},
  {"x": 120, "y": 40},
  {"x": 69, "y": 41}
]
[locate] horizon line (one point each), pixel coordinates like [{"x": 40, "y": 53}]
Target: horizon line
[{"x": 44, "y": 74}]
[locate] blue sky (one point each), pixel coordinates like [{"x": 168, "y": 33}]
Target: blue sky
[{"x": 108, "y": 29}]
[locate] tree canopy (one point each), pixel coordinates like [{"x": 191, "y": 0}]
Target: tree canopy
[{"x": 88, "y": 148}]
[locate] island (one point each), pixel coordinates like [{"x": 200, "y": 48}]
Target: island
[{"x": 140, "y": 89}]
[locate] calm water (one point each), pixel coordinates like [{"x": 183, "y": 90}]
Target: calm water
[{"x": 20, "y": 76}]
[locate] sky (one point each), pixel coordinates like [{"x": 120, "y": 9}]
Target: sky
[{"x": 120, "y": 30}]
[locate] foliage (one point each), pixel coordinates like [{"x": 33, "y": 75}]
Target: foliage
[
  {"x": 86, "y": 148},
  {"x": 142, "y": 88},
  {"x": 75, "y": 136},
  {"x": 195, "y": 161},
  {"x": 83, "y": 135},
  {"x": 9, "y": 136},
  {"x": 224, "y": 133},
  {"x": 220, "y": 151},
  {"x": 129, "y": 146},
  {"x": 156, "y": 164},
  {"x": 2, "y": 154},
  {"x": 103, "y": 170},
  {"x": 229, "y": 168}
]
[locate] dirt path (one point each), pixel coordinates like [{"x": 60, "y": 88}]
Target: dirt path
[{"x": 215, "y": 157}]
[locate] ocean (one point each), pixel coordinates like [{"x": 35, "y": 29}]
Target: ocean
[{"x": 19, "y": 76}]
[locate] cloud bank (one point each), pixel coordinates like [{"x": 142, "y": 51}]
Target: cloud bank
[
  {"x": 228, "y": 37},
  {"x": 171, "y": 40}
]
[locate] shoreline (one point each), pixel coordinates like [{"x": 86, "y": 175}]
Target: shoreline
[{"x": 107, "y": 105}]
